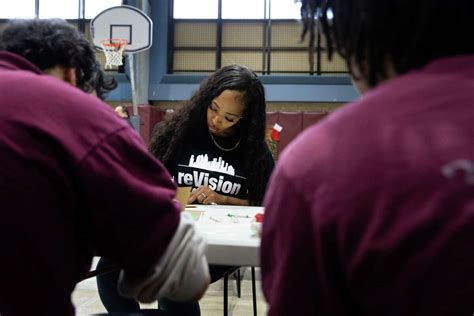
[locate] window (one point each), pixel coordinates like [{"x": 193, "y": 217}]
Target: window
[
  {"x": 243, "y": 9},
  {"x": 233, "y": 9},
  {"x": 245, "y": 36},
  {"x": 194, "y": 9},
  {"x": 94, "y": 7},
  {"x": 64, "y": 9},
  {"x": 285, "y": 9},
  {"x": 24, "y": 9}
]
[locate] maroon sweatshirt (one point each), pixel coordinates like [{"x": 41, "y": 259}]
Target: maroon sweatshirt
[
  {"x": 75, "y": 180},
  {"x": 371, "y": 212}
]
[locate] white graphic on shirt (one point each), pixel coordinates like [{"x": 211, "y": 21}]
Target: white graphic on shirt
[
  {"x": 216, "y": 174},
  {"x": 216, "y": 164},
  {"x": 461, "y": 167}
]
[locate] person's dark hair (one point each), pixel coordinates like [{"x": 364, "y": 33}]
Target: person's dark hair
[
  {"x": 308, "y": 13},
  {"x": 102, "y": 84},
  {"x": 193, "y": 117},
  {"x": 49, "y": 43},
  {"x": 409, "y": 33},
  {"x": 124, "y": 109}
]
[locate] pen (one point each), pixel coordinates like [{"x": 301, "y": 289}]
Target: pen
[
  {"x": 239, "y": 216},
  {"x": 213, "y": 219}
]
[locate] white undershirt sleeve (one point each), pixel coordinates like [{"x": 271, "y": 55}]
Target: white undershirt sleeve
[{"x": 181, "y": 273}]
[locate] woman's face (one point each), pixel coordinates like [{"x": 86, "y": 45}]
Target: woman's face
[{"x": 224, "y": 112}]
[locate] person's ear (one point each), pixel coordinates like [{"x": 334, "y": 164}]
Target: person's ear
[
  {"x": 63, "y": 73},
  {"x": 70, "y": 76}
]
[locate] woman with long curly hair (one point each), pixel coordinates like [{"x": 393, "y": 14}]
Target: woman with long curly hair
[
  {"x": 224, "y": 119},
  {"x": 215, "y": 144}
]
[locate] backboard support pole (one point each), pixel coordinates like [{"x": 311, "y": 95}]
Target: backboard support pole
[
  {"x": 139, "y": 73},
  {"x": 135, "y": 118}
]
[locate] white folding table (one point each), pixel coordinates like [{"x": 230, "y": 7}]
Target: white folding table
[{"x": 229, "y": 234}]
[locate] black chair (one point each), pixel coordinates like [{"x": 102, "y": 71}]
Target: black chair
[{"x": 238, "y": 279}]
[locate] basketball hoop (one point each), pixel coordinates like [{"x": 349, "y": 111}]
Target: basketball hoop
[{"x": 113, "y": 49}]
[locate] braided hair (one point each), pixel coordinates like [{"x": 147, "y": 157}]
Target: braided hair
[{"x": 407, "y": 33}]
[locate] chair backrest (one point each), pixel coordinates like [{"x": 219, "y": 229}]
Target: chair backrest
[{"x": 149, "y": 116}]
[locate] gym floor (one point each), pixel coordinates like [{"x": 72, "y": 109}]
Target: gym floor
[{"x": 86, "y": 298}]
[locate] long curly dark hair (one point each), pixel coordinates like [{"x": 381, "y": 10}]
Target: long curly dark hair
[{"x": 192, "y": 117}]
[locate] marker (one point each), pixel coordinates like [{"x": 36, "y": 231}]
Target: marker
[{"x": 237, "y": 216}]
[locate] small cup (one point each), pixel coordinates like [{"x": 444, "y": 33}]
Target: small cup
[{"x": 182, "y": 195}]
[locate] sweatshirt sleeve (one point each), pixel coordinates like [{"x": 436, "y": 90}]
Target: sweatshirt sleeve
[
  {"x": 130, "y": 215},
  {"x": 180, "y": 274}
]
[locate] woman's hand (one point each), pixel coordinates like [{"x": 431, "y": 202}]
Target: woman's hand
[{"x": 205, "y": 195}]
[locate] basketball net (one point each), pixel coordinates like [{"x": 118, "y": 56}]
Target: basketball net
[{"x": 113, "y": 49}]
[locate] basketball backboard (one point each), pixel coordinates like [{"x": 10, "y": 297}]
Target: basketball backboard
[{"x": 123, "y": 22}]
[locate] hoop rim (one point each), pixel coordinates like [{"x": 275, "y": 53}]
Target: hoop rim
[{"x": 113, "y": 42}]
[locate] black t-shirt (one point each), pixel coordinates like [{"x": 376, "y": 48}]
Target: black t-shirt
[{"x": 202, "y": 163}]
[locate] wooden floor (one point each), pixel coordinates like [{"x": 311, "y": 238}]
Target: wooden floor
[{"x": 87, "y": 302}]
